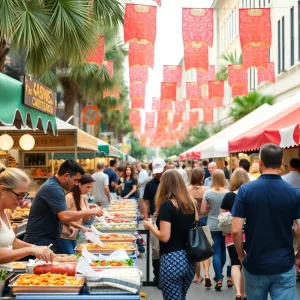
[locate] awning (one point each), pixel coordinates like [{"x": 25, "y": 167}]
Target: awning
[
  {"x": 14, "y": 112},
  {"x": 217, "y": 145},
  {"x": 281, "y": 128},
  {"x": 109, "y": 150}
]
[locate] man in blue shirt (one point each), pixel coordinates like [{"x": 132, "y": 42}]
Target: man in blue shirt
[
  {"x": 113, "y": 178},
  {"x": 212, "y": 166},
  {"x": 270, "y": 206}
]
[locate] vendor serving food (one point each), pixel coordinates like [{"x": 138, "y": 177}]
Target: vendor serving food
[
  {"x": 49, "y": 209},
  {"x": 13, "y": 190}
]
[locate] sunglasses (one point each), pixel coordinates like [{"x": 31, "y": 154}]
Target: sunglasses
[{"x": 20, "y": 196}]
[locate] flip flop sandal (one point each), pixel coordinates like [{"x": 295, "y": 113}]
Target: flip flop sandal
[
  {"x": 229, "y": 283},
  {"x": 197, "y": 281},
  {"x": 207, "y": 282}
]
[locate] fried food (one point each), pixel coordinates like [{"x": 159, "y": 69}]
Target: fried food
[
  {"x": 110, "y": 246},
  {"x": 65, "y": 258},
  {"x": 115, "y": 236},
  {"x": 19, "y": 265}
]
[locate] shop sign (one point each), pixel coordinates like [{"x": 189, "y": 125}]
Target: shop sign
[
  {"x": 86, "y": 141},
  {"x": 39, "y": 96},
  {"x": 48, "y": 142}
]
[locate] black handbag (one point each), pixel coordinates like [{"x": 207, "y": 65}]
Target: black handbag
[{"x": 198, "y": 246}]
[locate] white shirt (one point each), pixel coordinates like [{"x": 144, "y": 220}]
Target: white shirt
[
  {"x": 101, "y": 180},
  {"x": 184, "y": 176},
  {"x": 143, "y": 176},
  {"x": 293, "y": 178}
]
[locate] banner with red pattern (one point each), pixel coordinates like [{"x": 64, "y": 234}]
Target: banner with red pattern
[
  {"x": 195, "y": 103},
  {"x": 112, "y": 93},
  {"x": 135, "y": 117},
  {"x": 194, "y": 117},
  {"x": 168, "y": 91},
  {"x": 196, "y": 56},
  {"x": 166, "y": 105},
  {"x": 137, "y": 90},
  {"x": 198, "y": 25},
  {"x": 150, "y": 119},
  {"x": 140, "y": 23},
  {"x": 97, "y": 56},
  {"x": 173, "y": 74},
  {"x": 158, "y": 2},
  {"x": 138, "y": 74},
  {"x": 216, "y": 89},
  {"x": 136, "y": 127},
  {"x": 206, "y": 103},
  {"x": 162, "y": 118},
  {"x": 237, "y": 75},
  {"x": 217, "y": 102},
  {"x": 266, "y": 75},
  {"x": 155, "y": 104},
  {"x": 109, "y": 66},
  {"x": 255, "y": 56},
  {"x": 255, "y": 26},
  {"x": 180, "y": 105},
  {"x": 204, "y": 76},
  {"x": 193, "y": 90},
  {"x": 177, "y": 117},
  {"x": 185, "y": 124},
  {"x": 138, "y": 103},
  {"x": 208, "y": 115},
  {"x": 240, "y": 90},
  {"x": 150, "y": 132},
  {"x": 140, "y": 53},
  {"x": 143, "y": 140}
]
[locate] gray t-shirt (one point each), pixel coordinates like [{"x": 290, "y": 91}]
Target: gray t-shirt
[
  {"x": 101, "y": 180},
  {"x": 214, "y": 200}
]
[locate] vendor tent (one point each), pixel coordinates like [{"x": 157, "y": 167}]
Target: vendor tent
[
  {"x": 281, "y": 127},
  {"x": 109, "y": 150},
  {"x": 14, "y": 112}
]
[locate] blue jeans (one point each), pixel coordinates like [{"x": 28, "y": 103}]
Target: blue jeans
[
  {"x": 219, "y": 258},
  {"x": 280, "y": 286},
  {"x": 65, "y": 246},
  {"x": 203, "y": 221}
]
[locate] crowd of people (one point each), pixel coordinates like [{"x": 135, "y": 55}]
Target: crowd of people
[{"x": 250, "y": 216}]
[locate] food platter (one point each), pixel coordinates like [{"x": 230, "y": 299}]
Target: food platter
[
  {"x": 107, "y": 249},
  {"x": 20, "y": 266},
  {"x": 117, "y": 238},
  {"x": 127, "y": 227}
]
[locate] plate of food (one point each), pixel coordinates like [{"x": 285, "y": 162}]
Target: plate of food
[
  {"x": 62, "y": 258},
  {"x": 105, "y": 264},
  {"x": 120, "y": 213},
  {"x": 122, "y": 227},
  {"x": 120, "y": 220},
  {"x": 116, "y": 237},
  {"x": 124, "y": 202},
  {"x": 19, "y": 266},
  {"x": 108, "y": 248}
]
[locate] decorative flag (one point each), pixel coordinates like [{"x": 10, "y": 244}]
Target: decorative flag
[
  {"x": 195, "y": 103},
  {"x": 155, "y": 104},
  {"x": 217, "y": 102},
  {"x": 255, "y": 26},
  {"x": 216, "y": 89},
  {"x": 150, "y": 132},
  {"x": 109, "y": 66},
  {"x": 143, "y": 140},
  {"x": 150, "y": 119},
  {"x": 166, "y": 105},
  {"x": 162, "y": 118},
  {"x": 208, "y": 115},
  {"x": 255, "y": 56},
  {"x": 196, "y": 56},
  {"x": 138, "y": 73},
  {"x": 140, "y": 23},
  {"x": 136, "y": 127},
  {"x": 237, "y": 75},
  {"x": 134, "y": 117},
  {"x": 97, "y": 56},
  {"x": 193, "y": 90},
  {"x": 185, "y": 124},
  {"x": 197, "y": 25},
  {"x": 141, "y": 53},
  {"x": 240, "y": 90},
  {"x": 203, "y": 77},
  {"x": 173, "y": 74},
  {"x": 194, "y": 118},
  {"x": 138, "y": 103},
  {"x": 112, "y": 93},
  {"x": 158, "y": 2},
  {"x": 177, "y": 117},
  {"x": 168, "y": 91},
  {"x": 180, "y": 105},
  {"x": 266, "y": 75},
  {"x": 137, "y": 90},
  {"x": 206, "y": 103}
]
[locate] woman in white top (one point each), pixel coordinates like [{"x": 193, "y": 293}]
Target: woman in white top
[{"x": 13, "y": 189}]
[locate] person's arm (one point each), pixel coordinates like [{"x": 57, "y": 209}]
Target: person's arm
[
  {"x": 163, "y": 234},
  {"x": 68, "y": 216},
  {"x": 146, "y": 208},
  {"x": 297, "y": 259},
  {"x": 134, "y": 188},
  {"x": 17, "y": 244},
  {"x": 114, "y": 181},
  {"x": 237, "y": 237},
  {"x": 204, "y": 206},
  {"x": 107, "y": 193},
  {"x": 79, "y": 227}
]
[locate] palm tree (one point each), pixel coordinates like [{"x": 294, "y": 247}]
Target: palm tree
[
  {"x": 243, "y": 105},
  {"x": 230, "y": 59}
]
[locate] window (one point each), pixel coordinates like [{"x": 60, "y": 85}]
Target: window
[
  {"x": 281, "y": 45},
  {"x": 292, "y": 36}
]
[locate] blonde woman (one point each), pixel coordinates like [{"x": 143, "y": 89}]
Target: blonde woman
[
  {"x": 175, "y": 211},
  {"x": 211, "y": 203},
  {"x": 13, "y": 190},
  {"x": 238, "y": 178}
]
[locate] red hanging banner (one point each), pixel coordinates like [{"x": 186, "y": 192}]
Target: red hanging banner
[
  {"x": 203, "y": 77},
  {"x": 180, "y": 105},
  {"x": 97, "y": 56},
  {"x": 185, "y": 124},
  {"x": 166, "y": 105},
  {"x": 198, "y": 25},
  {"x": 193, "y": 90},
  {"x": 168, "y": 91},
  {"x": 195, "y": 103},
  {"x": 138, "y": 103},
  {"x": 216, "y": 89},
  {"x": 109, "y": 66},
  {"x": 162, "y": 118},
  {"x": 266, "y": 75},
  {"x": 140, "y": 53},
  {"x": 140, "y": 23},
  {"x": 150, "y": 119},
  {"x": 255, "y": 26},
  {"x": 134, "y": 117},
  {"x": 196, "y": 56},
  {"x": 208, "y": 114},
  {"x": 177, "y": 117},
  {"x": 255, "y": 56},
  {"x": 217, "y": 103},
  {"x": 112, "y": 93},
  {"x": 156, "y": 104},
  {"x": 194, "y": 115},
  {"x": 206, "y": 103},
  {"x": 137, "y": 90},
  {"x": 138, "y": 74},
  {"x": 240, "y": 90},
  {"x": 173, "y": 74},
  {"x": 158, "y": 2},
  {"x": 150, "y": 132},
  {"x": 237, "y": 75}
]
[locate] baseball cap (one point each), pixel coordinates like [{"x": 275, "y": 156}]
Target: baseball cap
[{"x": 158, "y": 165}]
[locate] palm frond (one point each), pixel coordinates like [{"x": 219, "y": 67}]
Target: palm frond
[
  {"x": 7, "y": 13},
  {"x": 49, "y": 78},
  {"x": 222, "y": 74}
]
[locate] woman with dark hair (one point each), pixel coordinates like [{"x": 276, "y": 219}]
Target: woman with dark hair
[
  {"x": 76, "y": 201},
  {"x": 176, "y": 214},
  {"x": 197, "y": 190},
  {"x": 130, "y": 183}
]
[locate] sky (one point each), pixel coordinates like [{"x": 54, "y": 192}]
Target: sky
[{"x": 168, "y": 45}]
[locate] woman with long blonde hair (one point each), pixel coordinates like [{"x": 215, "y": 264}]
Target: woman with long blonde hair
[
  {"x": 211, "y": 203},
  {"x": 176, "y": 214}
]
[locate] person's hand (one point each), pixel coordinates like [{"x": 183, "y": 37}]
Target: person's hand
[
  {"x": 242, "y": 257},
  {"x": 25, "y": 204},
  {"x": 96, "y": 211},
  {"x": 43, "y": 252},
  {"x": 126, "y": 197},
  {"x": 148, "y": 224},
  {"x": 73, "y": 232},
  {"x": 86, "y": 229},
  {"x": 297, "y": 261},
  {"x": 296, "y": 229}
]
